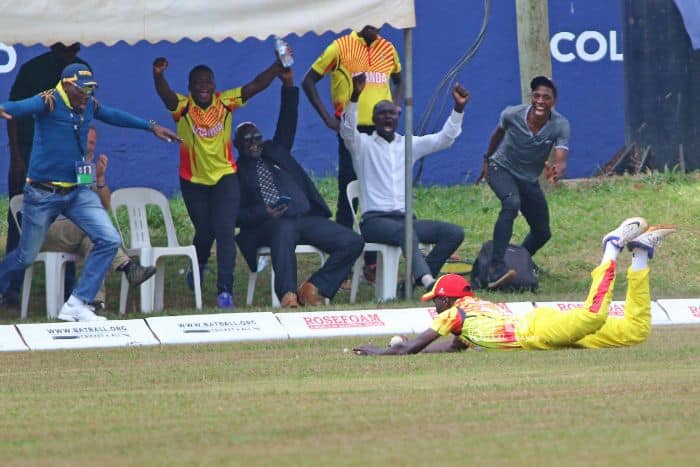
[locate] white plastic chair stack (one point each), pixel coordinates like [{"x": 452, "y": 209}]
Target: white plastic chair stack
[
  {"x": 387, "y": 259},
  {"x": 135, "y": 200},
  {"x": 54, "y": 270},
  {"x": 265, "y": 251}
]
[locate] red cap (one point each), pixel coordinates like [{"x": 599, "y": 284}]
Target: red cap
[{"x": 449, "y": 285}]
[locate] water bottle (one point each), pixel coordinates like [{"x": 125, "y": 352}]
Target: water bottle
[{"x": 283, "y": 52}]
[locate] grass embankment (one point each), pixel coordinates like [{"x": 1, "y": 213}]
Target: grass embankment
[{"x": 580, "y": 214}]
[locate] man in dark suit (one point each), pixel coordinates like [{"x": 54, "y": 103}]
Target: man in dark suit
[{"x": 281, "y": 207}]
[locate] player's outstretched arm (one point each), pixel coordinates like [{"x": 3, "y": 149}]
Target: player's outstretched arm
[{"x": 411, "y": 347}]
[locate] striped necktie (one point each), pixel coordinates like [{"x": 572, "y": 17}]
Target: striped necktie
[{"x": 266, "y": 184}]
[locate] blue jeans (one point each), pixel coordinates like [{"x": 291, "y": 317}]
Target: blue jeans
[
  {"x": 517, "y": 195},
  {"x": 83, "y": 207}
]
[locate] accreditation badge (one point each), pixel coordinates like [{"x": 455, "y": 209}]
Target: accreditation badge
[{"x": 84, "y": 173}]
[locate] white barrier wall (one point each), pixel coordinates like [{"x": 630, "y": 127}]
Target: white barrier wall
[
  {"x": 225, "y": 327},
  {"x": 53, "y": 336},
  {"x": 231, "y": 327},
  {"x": 344, "y": 323},
  {"x": 10, "y": 341},
  {"x": 682, "y": 311}
]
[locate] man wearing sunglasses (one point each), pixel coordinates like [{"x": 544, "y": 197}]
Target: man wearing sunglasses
[
  {"x": 480, "y": 324},
  {"x": 281, "y": 207},
  {"x": 59, "y": 180},
  {"x": 36, "y": 75}
]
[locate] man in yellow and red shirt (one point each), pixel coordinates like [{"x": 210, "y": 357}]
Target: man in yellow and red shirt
[
  {"x": 208, "y": 179},
  {"x": 358, "y": 52},
  {"x": 481, "y": 324}
]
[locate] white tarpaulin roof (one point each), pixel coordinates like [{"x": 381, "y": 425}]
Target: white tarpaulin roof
[{"x": 45, "y": 22}]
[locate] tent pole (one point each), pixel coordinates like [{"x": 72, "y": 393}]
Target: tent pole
[{"x": 408, "y": 112}]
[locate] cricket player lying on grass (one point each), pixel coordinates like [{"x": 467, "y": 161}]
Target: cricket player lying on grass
[{"x": 481, "y": 324}]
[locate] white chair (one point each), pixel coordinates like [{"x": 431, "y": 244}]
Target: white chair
[
  {"x": 387, "y": 258},
  {"x": 135, "y": 200},
  {"x": 265, "y": 251},
  {"x": 54, "y": 270}
]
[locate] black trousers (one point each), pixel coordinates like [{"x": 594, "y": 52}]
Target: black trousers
[
  {"x": 282, "y": 235},
  {"x": 390, "y": 227},
  {"x": 213, "y": 210},
  {"x": 517, "y": 195}
]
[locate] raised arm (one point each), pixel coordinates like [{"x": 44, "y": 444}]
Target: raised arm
[
  {"x": 348, "y": 123},
  {"x": 120, "y": 118},
  {"x": 166, "y": 94},
  {"x": 424, "y": 145},
  {"x": 397, "y": 92},
  {"x": 309, "y": 85},
  {"x": 261, "y": 82},
  {"x": 289, "y": 111}
]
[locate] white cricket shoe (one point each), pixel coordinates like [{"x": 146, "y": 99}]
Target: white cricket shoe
[
  {"x": 651, "y": 239},
  {"x": 81, "y": 312},
  {"x": 629, "y": 230}
]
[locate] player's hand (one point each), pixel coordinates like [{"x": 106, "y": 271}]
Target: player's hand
[
  {"x": 332, "y": 123},
  {"x": 484, "y": 172},
  {"x": 101, "y": 166},
  {"x": 286, "y": 76},
  {"x": 276, "y": 212},
  {"x": 367, "y": 350},
  {"x": 160, "y": 64},
  {"x": 166, "y": 134},
  {"x": 461, "y": 97},
  {"x": 358, "y": 85},
  {"x": 551, "y": 173},
  {"x": 4, "y": 114}
]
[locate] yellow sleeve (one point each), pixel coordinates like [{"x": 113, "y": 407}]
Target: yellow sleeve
[
  {"x": 448, "y": 322},
  {"x": 231, "y": 98},
  {"x": 328, "y": 61},
  {"x": 182, "y": 102}
]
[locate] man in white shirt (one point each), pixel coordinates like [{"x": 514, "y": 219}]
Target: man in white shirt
[{"x": 379, "y": 161}]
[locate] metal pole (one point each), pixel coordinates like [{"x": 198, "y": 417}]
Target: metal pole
[{"x": 408, "y": 112}]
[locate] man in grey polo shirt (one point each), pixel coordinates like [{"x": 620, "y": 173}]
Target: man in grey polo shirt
[{"x": 518, "y": 151}]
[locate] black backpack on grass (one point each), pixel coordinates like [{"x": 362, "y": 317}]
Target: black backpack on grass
[{"x": 517, "y": 258}]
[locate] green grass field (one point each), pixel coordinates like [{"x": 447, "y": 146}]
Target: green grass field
[{"x": 308, "y": 403}]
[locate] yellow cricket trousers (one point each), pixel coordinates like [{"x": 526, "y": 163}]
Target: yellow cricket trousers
[{"x": 588, "y": 326}]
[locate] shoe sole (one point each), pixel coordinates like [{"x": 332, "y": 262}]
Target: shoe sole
[
  {"x": 504, "y": 279},
  {"x": 638, "y": 244},
  {"x": 626, "y": 237},
  {"x": 145, "y": 278},
  {"x": 69, "y": 318}
]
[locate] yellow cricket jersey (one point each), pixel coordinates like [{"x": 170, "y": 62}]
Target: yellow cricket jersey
[
  {"x": 206, "y": 153},
  {"x": 349, "y": 55},
  {"x": 477, "y": 322}
]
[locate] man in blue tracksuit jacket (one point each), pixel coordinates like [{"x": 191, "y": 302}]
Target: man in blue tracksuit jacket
[{"x": 59, "y": 180}]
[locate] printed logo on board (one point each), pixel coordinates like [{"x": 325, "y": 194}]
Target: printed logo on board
[
  {"x": 244, "y": 325},
  {"x": 89, "y": 332},
  {"x": 359, "y": 320},
  {"x": 588, "y": 46}
]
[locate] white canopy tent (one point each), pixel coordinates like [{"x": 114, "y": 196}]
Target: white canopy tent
[
  {"x": 90, "y": 21},
  {"x": 45, "y": 22}
]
